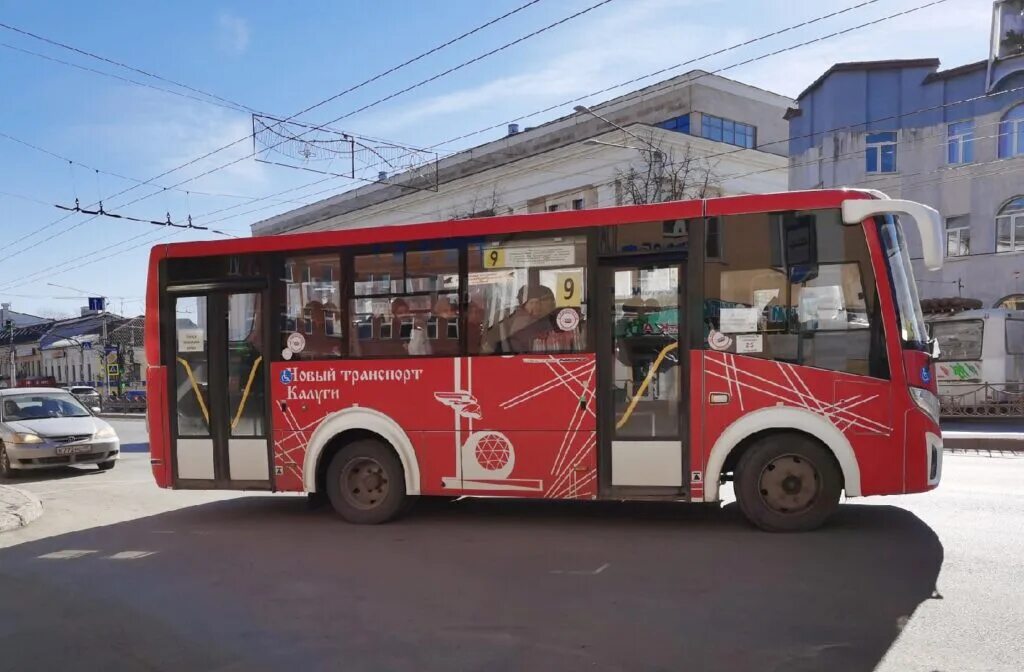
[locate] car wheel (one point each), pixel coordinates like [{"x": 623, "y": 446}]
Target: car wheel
[
  {"x": 6, "y": 470},
  {"x": 787, "y": 483},
  {"x": 365, "y": 483},
  {"x": 106, "y": 466}
]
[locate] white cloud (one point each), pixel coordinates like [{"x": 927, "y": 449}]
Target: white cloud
[
  {"x": 234, "y": 33},
  {"x": 625, "y": 40},
  {"x": 615, "y": 44},
  {"x": 146, "y": 133}
]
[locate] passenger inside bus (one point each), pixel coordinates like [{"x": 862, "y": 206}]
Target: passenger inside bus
[{"x": 531, "y": 326}]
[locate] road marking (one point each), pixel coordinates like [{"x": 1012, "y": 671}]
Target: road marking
[
  {"x": 130, "y": 555},
  {"x": 65, "y": 555},
  {"x": 582, "y": 572}
]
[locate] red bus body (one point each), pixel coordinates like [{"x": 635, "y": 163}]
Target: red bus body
[{"x": 530, "y": 424}]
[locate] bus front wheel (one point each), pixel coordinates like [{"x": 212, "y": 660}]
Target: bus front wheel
[
  {"x": 787, "y": 483},
  {"x": 365, "y": 483}
]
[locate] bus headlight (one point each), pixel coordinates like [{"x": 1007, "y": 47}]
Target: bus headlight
[{"x": 927, "y": 402}]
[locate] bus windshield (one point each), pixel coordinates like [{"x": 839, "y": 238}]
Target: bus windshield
[
  {"x": 959, "y": 339},
  {"x": 911, "y": 319}
]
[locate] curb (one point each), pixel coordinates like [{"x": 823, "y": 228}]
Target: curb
[{"x": 18, "y": 508}]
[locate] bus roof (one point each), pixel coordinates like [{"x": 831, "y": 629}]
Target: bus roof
[{"x": 463, "y": 228}]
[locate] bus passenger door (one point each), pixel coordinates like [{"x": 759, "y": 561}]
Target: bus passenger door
[
  {"x": 220, "y": 437},
  {"x": 641, "y": 372}
]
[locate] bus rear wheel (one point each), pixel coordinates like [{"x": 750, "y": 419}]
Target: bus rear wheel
[
  {"x": 787, "y": 483},
  {"x": 365, "y": 483}
]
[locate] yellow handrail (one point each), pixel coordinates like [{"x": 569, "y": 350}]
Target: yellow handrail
[
  {"x": 647, "y": 381},
  {"x": 245, "y": 392},
  {"x": 195, "y": 388}
]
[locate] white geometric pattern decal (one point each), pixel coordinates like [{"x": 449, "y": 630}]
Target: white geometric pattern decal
[{"x": 794, "y": 393}]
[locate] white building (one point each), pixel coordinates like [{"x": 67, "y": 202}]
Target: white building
[{"x": 576, "y": 161}]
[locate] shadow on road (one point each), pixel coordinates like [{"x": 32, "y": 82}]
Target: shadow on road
[{"x": 264, "y": 583}]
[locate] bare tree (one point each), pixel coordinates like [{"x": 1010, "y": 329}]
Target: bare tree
[
  {"x": 482, "y": 205},
  {"x": 664, "y": 175}
]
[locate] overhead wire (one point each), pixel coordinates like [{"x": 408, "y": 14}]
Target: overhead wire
[
  {"x": 222, "y": 100},
  {"x": 649, "y": 91},
  {"x": 307, "y": 109},
  {"x": 636, "y": 79},
  {"x": 804, "y": 44},
  {"x": 433, "y": 78}
]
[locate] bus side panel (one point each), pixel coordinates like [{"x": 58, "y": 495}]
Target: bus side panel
[
  {"x": 159, "y": 430},
  {"x": 857, "y": 406},
  {"x": 516, "y": 426}
]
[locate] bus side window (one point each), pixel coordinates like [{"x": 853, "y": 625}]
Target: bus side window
[{"x": 527, "y": 294}]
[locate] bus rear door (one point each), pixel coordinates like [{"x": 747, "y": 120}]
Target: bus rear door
[{"x": 217, "y": 393}]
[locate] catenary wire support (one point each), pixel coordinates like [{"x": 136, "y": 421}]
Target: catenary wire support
[{"x": 319, "y": 149}]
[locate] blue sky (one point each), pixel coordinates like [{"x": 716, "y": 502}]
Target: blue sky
[{"x": 281, "y": 57}]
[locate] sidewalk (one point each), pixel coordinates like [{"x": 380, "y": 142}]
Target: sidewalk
[
  {"x": 122, "y": 416},
  {"x": 983, "y": 434},
  {"x": 18, "y": 508}
]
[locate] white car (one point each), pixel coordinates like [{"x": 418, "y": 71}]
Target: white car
[{"x": 45, "y": 427}]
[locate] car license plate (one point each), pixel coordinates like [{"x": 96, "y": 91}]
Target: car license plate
[{"x": 73, "y": 450}]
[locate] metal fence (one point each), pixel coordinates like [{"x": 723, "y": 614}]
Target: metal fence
[
  {"x": 982, "y": 400},
  {"x": 124, "y": 405}
]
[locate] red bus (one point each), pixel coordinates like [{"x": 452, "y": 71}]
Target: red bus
[{"x": 641, "y": 352}]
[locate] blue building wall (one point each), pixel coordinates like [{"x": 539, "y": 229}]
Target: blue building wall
[
  {"x": 888, "y": 100},
  {"x": 828, "y": 149}
]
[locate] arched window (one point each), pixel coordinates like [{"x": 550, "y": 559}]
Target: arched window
[
  {"x": 1010, "y": 226},
  {"x": 1011, "y": 302},
  {"x": 1011, "y": 133}
]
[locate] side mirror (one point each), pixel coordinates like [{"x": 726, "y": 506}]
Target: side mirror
[{"x": 800, "y": 238}]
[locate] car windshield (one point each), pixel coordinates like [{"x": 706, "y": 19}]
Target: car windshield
[{"x": 41, "y": 406}]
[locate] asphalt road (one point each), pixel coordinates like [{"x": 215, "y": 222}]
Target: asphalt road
[{"x": 118, "y": 575}]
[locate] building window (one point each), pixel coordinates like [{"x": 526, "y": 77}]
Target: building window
[
  {"x": 1011, "y": 133},
  {"x": 577, "y": 204},
  {"x": 553, "y": 207},
  {"x": 881, "y": 152},
  {"x": 1010, "y": 227},
  {"x": 726, "y": 130},
  {"x": 958, "y": 236},
  {"x": 960, "y": 146},
  {"x": 680, "y": 124}
]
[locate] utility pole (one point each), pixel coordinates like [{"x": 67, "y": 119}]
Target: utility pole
[
  {"x": 106, "y": 343},
  {"x": 14, "y": 375}
]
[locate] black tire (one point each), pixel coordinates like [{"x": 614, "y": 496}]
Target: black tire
[
  {"x": 787, "y": 483},
  {"x": 6, "y": 470},
  {"x": 106, "y": 466},
  {"x": 366, "y": 483}
]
